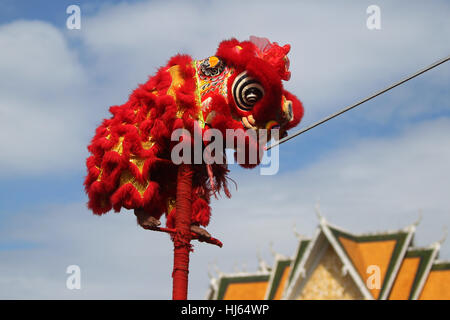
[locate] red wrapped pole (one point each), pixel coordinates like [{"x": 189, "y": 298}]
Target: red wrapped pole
[{"x": 182, "y": 237}]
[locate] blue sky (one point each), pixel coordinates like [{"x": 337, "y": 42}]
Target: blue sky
[{"x": 372, "y": 168}]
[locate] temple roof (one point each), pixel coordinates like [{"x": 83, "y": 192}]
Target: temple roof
[
  {"x": 412, "y": 273},
  {"x": 437, "y": 284},
  {"x": 370, "y": 253},
  {"x": 278, "y": 278},
  {"x": 242, "y": 286},
  {"x": 383, "y": 265}
]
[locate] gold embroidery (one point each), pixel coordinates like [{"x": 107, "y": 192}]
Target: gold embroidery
[
  {"x": 179, "y": 113},
  {"x": 127, "y": 177},
  {"x": 177, "y": 80},
  {"x": 148, "y": 144},
  {"x": 138, "y": 161},
  {"x": 100, "y": 174},
  {"x": 170, "y": 204},
  {"x": 108, "y": 137},
  {"x": 198, "y": 95},
  {"x": 119, "y": 146}
]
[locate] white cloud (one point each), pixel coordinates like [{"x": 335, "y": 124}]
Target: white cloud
[
  {"x": 40, "y": 100},
  {"x": 53, "y": 94},
  {"x": 335, "y": 59},
  {"x": 117, "y": 259},
  {"x": 36, "y": 58},
  {"x": 372, "y": 185}
]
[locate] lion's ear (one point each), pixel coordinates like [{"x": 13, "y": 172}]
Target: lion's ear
[{"x": 297, "y": 110}]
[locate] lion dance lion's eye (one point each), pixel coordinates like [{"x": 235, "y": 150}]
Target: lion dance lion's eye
[{"x": 246, "y": 91}]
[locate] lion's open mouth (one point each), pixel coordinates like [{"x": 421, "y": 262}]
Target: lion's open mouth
[{"x": 263, "y": 136}]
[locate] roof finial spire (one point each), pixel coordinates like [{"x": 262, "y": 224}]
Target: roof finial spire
[
  {"x": 210, "y": 275},
  {"x": 413, "y": 226},
  {"x": 419, "y": 219},
  {"x": 262, "y": 264},
  {"x": 444, "y": 237},
  {"x": 236, "y": 267},
  {"x": 212, "y": 280},
  {"x": 216, "y": 268},
  {"x": 318, "y": 211},
  {"x": 297, "y": 235},
  {"x": 275, "y": 254},
  {"x": 272, "y": 251}
]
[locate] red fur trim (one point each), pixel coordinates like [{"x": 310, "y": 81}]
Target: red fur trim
[
  {"x": 228, "y": 51},
  {"x": 223, "y": 120},
  {"x": 201, "y": 212},
  {"x": 126, "y": 196},
  {"x": 268, "y": 107},
  {"x": 93, "y": 171},
  {"x": 152, "y": 198},
  {"x": 182, "y": 60},
  {"x": 170, "y": 220},
  {"x": 252, "y": 154},
  {"x": 150, "y": 113},
  {"x": 112, "y": 166},
  {"x": 145, "y": 115},
  {"x": 98, "y": 199},
  {"x": 159, "y": 131}
]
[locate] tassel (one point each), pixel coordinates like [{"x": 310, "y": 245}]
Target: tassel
[{"x": 211, "y": 180}]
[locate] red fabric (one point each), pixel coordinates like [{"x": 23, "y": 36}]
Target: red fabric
[
  {"x": 274, "y": 54},
  {"x": 151, "y": 113},
  {"x": 125, "y": 172},
  {"x": 268, "y": 107},
  {"x": 182, "y": 238},
  {"x": 268, "y": 63}
]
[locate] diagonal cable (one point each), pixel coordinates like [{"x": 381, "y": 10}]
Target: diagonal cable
[{"x": 392, "y": 86}]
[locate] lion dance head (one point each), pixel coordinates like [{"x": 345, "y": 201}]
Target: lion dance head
[{"x": 239, "y": 88}]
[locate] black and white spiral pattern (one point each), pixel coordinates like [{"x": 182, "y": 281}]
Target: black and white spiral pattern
[{"x": 246, "y": 91}]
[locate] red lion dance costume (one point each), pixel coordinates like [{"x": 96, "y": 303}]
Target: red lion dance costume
[{"x": 238, "y": 88}]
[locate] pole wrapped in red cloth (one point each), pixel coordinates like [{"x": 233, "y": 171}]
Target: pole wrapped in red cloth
[{"x": 182, "y": 238}]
